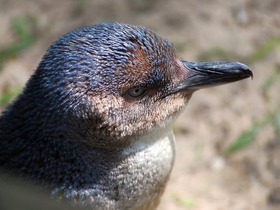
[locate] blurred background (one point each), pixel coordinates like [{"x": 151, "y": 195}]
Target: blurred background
[{"x": 228, "y": 138}]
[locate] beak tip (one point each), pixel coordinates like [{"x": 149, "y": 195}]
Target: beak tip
[{"x": 246, "y": 70}]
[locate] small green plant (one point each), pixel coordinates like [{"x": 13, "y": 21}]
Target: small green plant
[
  {"x": 248, "y": 137},
  {"x": 264, "y": 50},
  {"x": 9, "y": 95},
  {"x": 259, "y": 54},
  {"x": 217, "y": 54},
  {"x": 80, "y": 6},
  {"x": 183, "y": 202},
  {"x": 274, "y": 77},
  {"x": 23, "y": 29},
  {"x": 180, "y": 46},
  {"x": 143, "y": 5},
  {"x": 273, "y": 118}
]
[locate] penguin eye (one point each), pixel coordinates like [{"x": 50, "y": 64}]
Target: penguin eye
[{"x": 136, "y": 92}]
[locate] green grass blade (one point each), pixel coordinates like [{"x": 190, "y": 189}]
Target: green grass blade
[
  {"x": 248, "y": 137},
  {"x": 264, "y": 50},
  {"x": 23, "y": 30},
  {"x": 277, "y": 124},
  {"x": 268, "y": 84},
  {"x": 9, "y": 95}
]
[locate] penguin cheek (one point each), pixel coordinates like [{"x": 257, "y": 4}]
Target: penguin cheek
[{"x": 170, "y": 106}]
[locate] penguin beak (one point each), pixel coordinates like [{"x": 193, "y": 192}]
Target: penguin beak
[{"x": 207, "y": 74}]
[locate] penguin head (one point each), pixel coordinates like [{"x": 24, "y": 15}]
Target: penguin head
[{"x": 115, "y": 82}]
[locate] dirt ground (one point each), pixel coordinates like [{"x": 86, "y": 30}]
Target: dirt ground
[{"x": 203, "y": 178}]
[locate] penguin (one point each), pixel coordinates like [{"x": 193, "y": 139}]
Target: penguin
[{"x": 93, "y": 125}]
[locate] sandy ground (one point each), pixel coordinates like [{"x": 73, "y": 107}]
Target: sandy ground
[{"x": 203, "y": 178}]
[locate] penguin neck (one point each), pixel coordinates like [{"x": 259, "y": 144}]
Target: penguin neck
[{"x": 143, "y": 168}]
